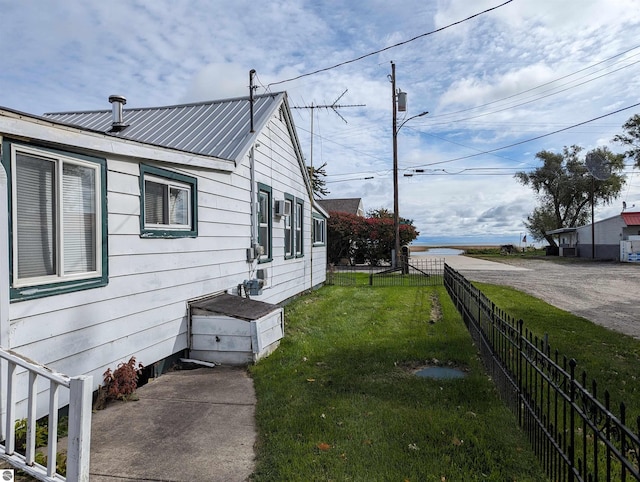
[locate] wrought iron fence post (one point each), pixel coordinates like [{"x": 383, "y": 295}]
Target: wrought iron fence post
[
  {"x": 519, "y": 376},
  {"x": 572, "y": 428}
]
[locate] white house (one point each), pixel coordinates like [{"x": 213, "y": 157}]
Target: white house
[
  {"x": 616, "y": 238},
  {"x": 119, "y": 220}
]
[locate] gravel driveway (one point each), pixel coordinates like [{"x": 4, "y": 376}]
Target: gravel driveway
[{"x": 607, "y": 293}]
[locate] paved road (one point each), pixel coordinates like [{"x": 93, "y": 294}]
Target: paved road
[{"x": 607, "y": 293}]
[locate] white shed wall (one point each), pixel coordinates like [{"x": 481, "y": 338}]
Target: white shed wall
[{"x": 607, "y": 232}]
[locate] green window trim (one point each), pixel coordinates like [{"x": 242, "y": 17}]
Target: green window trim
[
  {"x": 173, "y": 181},
  {"x": 289, "y": 228},
  {"x": 299, "y": 227},
  {"x": 265, "y": 222},
  {"x": 66, "y": 282}
]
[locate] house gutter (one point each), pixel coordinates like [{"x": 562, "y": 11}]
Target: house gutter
[{"x": 252, "y": 176}]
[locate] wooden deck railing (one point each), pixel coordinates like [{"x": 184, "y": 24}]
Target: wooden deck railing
[{"x": 79, "y": 437}]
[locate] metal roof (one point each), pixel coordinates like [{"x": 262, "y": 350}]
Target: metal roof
[
  {"x": 561, "y": 231},
  {"x": 217, "y": 128},
  {"x": 631, "y": 219},
  {"x": 344, "y": 205}
]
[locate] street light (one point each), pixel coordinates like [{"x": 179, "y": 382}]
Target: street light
[{"x": 396, "y": 97}]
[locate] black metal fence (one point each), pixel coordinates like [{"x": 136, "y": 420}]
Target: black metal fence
[
  {"x": 411, "y": 271},
  {"x": 574, "y": 432}
]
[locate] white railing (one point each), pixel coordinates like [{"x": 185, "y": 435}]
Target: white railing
[{"x": 79, "y": 437}]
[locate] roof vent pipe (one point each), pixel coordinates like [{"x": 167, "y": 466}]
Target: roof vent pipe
[{"x": 117, "y": 101}]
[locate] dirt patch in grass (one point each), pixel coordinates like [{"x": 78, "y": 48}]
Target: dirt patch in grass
[{"x": 436, "y": 309}]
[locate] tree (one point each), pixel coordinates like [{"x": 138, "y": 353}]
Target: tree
[
  {"x": 631, "y": 139},
  {"x": 318, "y": 184},
  {"x": 343, "y": 233},
  {"x": 384, "y": 213},
  {"x": 564, "y": 186},
  {"x": 361, "y": 240},
  {"x": 381, "y": 213}
]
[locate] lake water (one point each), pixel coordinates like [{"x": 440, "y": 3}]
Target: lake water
[{"x": 438, "y": 252}]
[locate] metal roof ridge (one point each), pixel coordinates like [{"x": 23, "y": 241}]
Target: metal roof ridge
[{"x": 172, "y": 106}]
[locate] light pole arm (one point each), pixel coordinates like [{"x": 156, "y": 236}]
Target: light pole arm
[{"x": 410, "y": 118}]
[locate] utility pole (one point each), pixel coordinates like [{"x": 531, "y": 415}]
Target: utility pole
[
  {"x": 396, "y": 217},
  {"x": 399, "y": 103}
]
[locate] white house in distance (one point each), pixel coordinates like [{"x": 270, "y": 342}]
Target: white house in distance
[
  {"x": 119, "y": 221},
  {"x": 616, "y": 238}
]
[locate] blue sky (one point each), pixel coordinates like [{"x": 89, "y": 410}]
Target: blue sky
[{"x": 521, "y": 71}]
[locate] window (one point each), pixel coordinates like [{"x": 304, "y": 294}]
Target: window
[
  {"x": 293, "y": 232},
  {"x": 299, "y": 216},
  {"x": 319, "y": 230},
  {"x": 169, "y": 202},
  {"x": 264, "y": 221},
  {"x": 289, "y": 232},
  {"x": 58, "y": 218}
]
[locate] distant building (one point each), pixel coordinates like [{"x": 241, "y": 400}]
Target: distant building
[
  {"x": 616, "y": 238},
  {"x": 351, "y": 205}
]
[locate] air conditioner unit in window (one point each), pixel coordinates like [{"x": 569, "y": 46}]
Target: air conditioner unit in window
[{"x": 283, "y": 208}]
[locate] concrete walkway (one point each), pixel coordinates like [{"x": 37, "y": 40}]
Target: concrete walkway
[
  {"x": 187, "y": 426},
  {"x": 465, "y": 263}
]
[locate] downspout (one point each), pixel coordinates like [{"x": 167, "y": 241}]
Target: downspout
[
  {"x": 254, "y": 201},
  {"x": 4, "y": 288},
  {"x": 252, "y": 176}
]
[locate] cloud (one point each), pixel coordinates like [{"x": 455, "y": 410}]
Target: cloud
[
  {"x": 218, "y": 81},
  {"x": 59, "y": 56}
]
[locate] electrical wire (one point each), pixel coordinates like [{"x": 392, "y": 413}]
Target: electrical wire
[
  {"x": 390, "y": 46},
  {"x": 532, "y": 100},
  {"x": 532, "y": 138},
  {"x": 513, "y": 144},
  {"x": 538, "y": 86}
]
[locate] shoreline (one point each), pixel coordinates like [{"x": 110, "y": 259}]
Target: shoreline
[{"x": 423, "y": 247}]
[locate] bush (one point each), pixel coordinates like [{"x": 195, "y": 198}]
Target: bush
[{"x": 119, "y": 384}]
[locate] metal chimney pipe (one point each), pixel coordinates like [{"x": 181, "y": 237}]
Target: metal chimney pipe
[{"x": 117, "y": 102}]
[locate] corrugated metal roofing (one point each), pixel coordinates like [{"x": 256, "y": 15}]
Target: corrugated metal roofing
[
  {"x": 217, "y": 128},
  {"x": 344, "y": 205},
  {"x": 631, "y": 219}
]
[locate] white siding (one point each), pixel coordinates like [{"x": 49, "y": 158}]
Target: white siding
[
  {"x": 607, "y": 231},
  {"x": 142, "y": 312}
]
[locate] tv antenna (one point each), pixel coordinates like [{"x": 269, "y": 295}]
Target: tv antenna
[
  {"x": 600, "y": 169},
  {"x": 334, "y": 107}
]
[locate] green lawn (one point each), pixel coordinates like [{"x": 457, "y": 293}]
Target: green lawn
[
  {"x": 339, "y": 401},
  {"x": 612, "y": 359}
]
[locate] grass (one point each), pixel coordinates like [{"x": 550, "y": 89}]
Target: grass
[
  {"x": 610, "y": 358},
  {"x": 495, "y": 252},
  {"x": 339, "y": 401}
]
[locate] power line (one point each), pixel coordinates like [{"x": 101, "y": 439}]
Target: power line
[
  {"x": 532, "y": 100},
  {"x": 389, "y": 47},
  {"x": 490, "y": 151},
  {"x": 533, "y": 138},
  {"x": 538, "y": 86}
]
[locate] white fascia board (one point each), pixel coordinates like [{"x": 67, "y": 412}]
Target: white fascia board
[{"x": 25, "y": 127}]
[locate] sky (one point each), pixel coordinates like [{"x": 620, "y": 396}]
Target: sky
[{"x": 498, "y": 79}]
